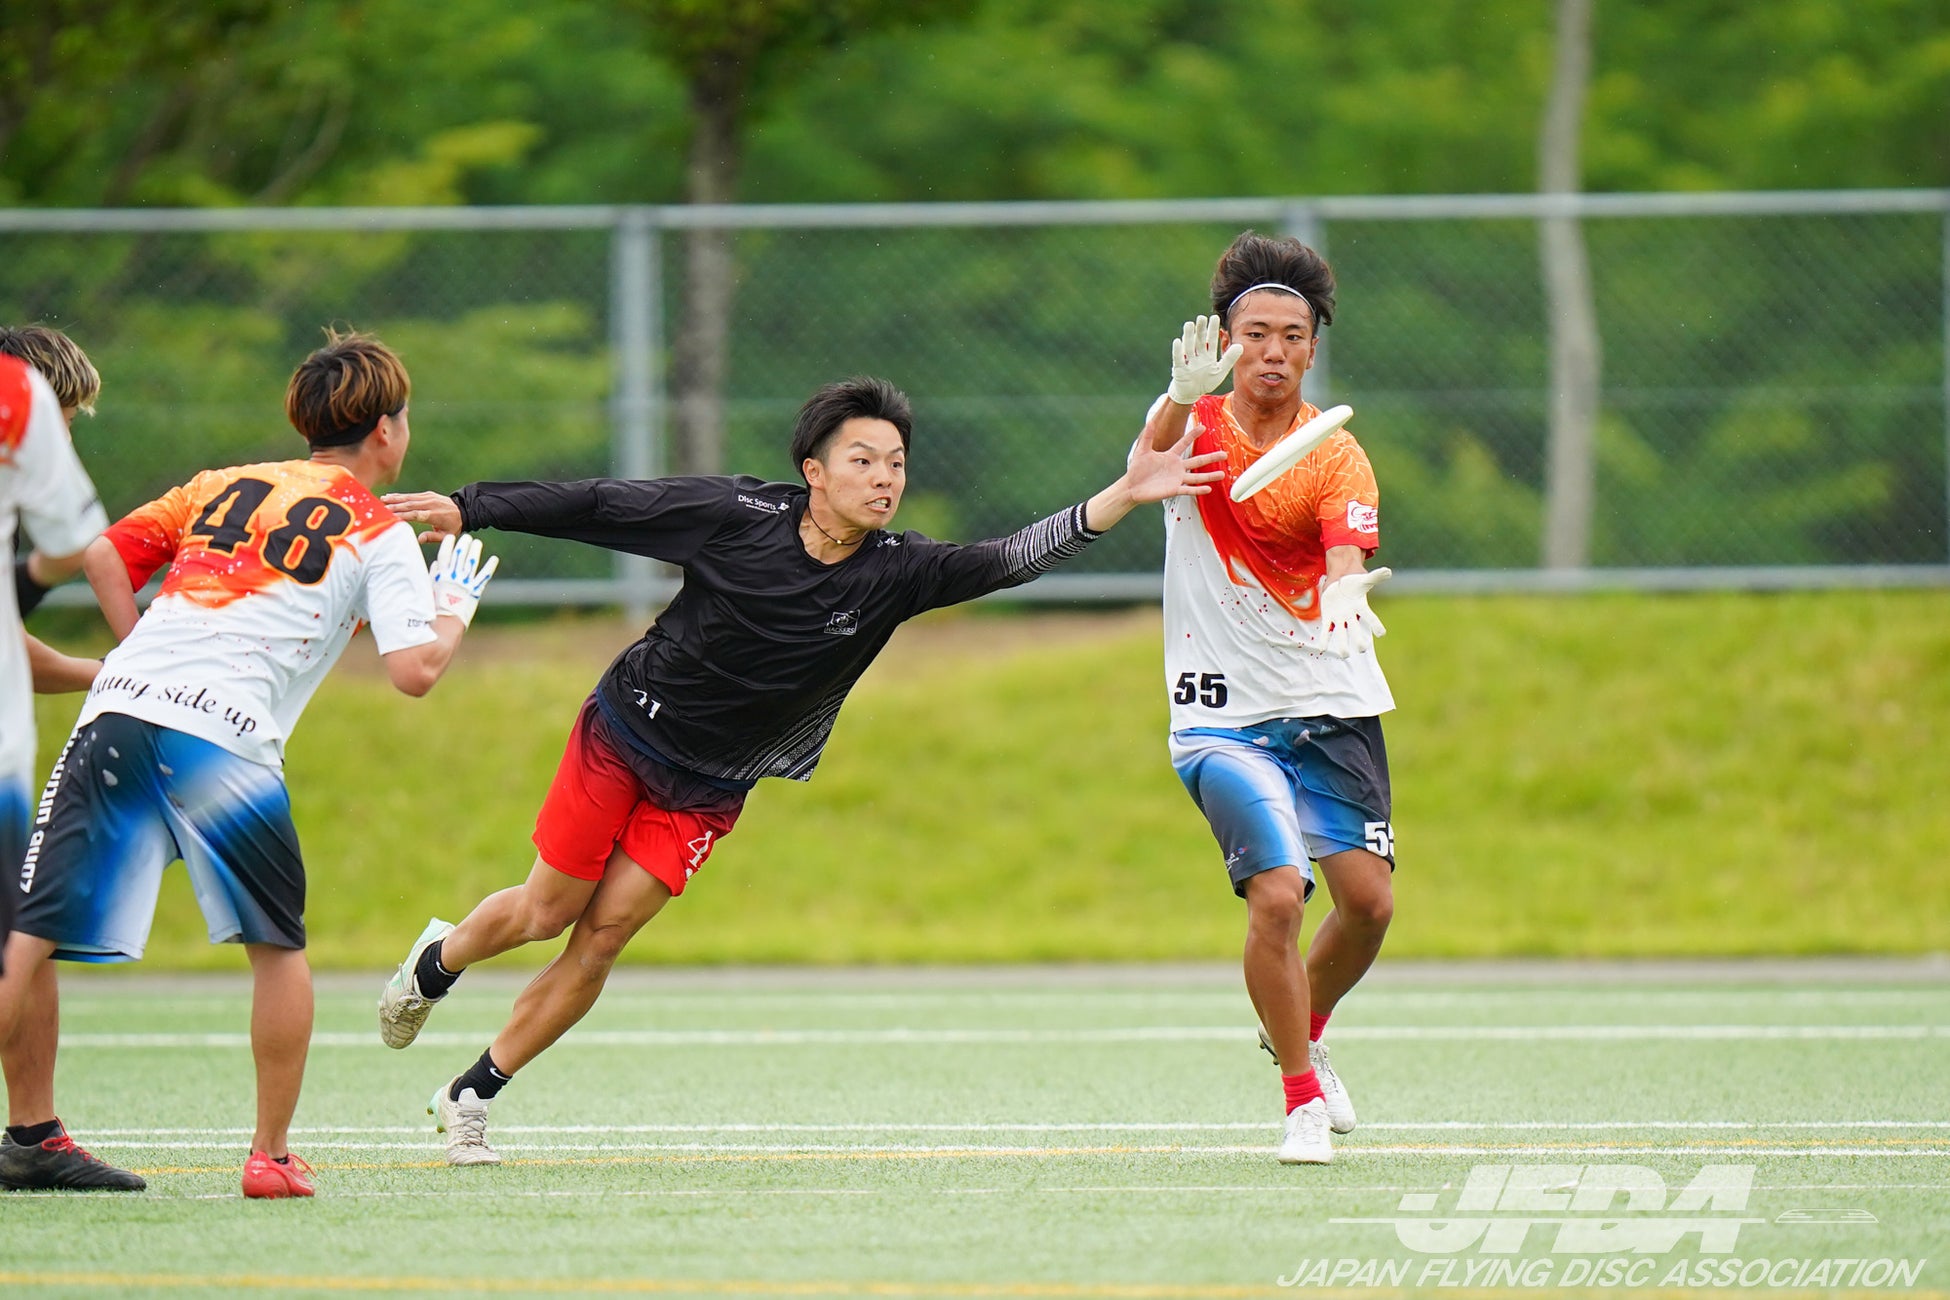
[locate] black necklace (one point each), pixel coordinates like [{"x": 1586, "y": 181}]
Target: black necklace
[{"x": 829, "y": 537}]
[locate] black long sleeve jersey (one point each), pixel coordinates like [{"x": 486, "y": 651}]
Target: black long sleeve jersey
[{"x": 744, "y": 672}]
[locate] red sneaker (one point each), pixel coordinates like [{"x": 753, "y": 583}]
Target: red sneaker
[{"x": 268, "y": 1179}]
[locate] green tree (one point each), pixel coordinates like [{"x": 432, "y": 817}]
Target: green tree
[{"x": 732, "y": 55}]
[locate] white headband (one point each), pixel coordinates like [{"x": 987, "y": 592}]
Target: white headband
[{"x": 1280, "y": 288}]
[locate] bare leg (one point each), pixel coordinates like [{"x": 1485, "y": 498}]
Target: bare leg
[
  {"x": 541, "y": 907},
  {"x": 562, "y": 994},
  {"x": 30, "y": 1028},
  {"x": 281, "y": 1011},
  {"x": 1349, "y": 937},
  {"x": 1276, "y": 979}
]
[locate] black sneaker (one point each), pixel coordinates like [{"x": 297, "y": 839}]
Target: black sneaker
[{"x": 59, "y": 1164}]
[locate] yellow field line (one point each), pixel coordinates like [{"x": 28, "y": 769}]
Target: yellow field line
[{"x": 638, "y": 1286}]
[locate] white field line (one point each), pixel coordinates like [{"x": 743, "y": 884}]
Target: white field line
[
  {"x": 1307, "y": 1189},
  {"x": 1136, "y": 1034},
  {"x": 844, "y": 1150},
  {"x": 1086, "y": 1126}
]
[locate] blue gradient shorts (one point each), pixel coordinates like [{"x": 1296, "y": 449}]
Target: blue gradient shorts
[
  {"x": 15, "y": 809},
  {"x": 125, "y": 800},
  {"x": 1289, "y": 791}
]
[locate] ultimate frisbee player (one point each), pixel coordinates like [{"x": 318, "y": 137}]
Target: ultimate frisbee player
[
  {"x": 1275, "y": 691},
  {"x": 789, "y": 592},
  {"x": 179, "y": 748},
  {"x": 45, "y": 380}
]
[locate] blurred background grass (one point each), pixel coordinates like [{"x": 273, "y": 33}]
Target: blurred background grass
[{"x": 1605, "y": 776}]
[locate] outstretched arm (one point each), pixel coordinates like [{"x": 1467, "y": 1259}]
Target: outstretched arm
[
  {"x": 665, "y": 519},
  {"x": 1153, "y": 475}
]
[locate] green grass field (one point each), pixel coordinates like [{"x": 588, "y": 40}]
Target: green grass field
[
  {"x": 1612, "y": 775},
  {"x": 1025, "y": 1133}
]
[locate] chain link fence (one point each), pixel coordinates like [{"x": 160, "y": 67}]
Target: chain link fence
[{"x": 1775, "y": 405}]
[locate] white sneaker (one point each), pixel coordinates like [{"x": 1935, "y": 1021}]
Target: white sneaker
[
  {"x": 402, "y": 1008},
  {"x": 1306, "y": 1141},
  {"x": 1340, "y": 1110},
  {"x": 465, "y": 1124}
]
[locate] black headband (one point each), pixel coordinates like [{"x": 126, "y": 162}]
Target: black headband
[{"x": 357, "y": 431}]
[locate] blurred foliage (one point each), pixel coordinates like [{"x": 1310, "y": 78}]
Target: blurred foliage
[{"x": 1789, "y": 364}]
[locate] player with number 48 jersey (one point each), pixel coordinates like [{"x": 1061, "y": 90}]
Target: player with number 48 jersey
[
  {"x": 179, "y": 749},
  {"x": 1275, "y": 691}
]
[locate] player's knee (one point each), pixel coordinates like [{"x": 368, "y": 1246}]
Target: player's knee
[
  {"x": 1372, "y": 910},
  {"x": 546, "y": 918},
  {"x": 598, "y": 949},
  {"x": 1276, "y": 900}
]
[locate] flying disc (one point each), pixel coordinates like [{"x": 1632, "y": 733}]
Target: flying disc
[{"x": 1290, "y": 451}]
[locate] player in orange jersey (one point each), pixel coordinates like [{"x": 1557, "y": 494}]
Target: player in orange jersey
[
  {"x": 178, "y": 751},
  {"x": 1275, "y": 689}
]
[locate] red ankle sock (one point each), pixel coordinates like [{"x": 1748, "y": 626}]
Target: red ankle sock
[
  {"x": 1300, "y": 1089},
  {"x": 1318, "y": 1027}
]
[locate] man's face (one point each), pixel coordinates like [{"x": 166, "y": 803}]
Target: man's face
[
  {"x": 862, "y": 473},
  {"x": 1277, "y": 331}
]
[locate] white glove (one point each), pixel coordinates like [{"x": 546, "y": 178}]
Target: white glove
[
  {"x": 1350, "y": 627},
  {"x": 1196, "y": 366},
  {"x": 459, "y": 577}
]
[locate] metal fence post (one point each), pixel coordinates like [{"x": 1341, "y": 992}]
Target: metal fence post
[
  {"x": 636, "y": 411},
  {"x": 1303, "y": 222}
]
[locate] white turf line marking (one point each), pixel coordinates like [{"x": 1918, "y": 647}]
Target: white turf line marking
[
  {"x": 1141, "y": 1034},
  {"x": 1164, "y": 1126},
  {"x": 1194, "y": 1189},
  {"x": 1174, "y": 1149}
]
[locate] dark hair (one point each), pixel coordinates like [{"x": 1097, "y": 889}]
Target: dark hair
[
  {"x": 1261, "y": 259},
  {"x": 60, "y": 360},
  {"x": 338, "y": 393},
  {"x": 860, "y": 398}
]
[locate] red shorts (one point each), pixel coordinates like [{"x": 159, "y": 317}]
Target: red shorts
[{"x": 597, "y": 804}]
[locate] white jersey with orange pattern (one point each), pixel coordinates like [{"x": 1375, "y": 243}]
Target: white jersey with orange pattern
[
  {"x": 43, "y": 486},
  {"x": 272, "y": 568},
  {"x": 1243, "y": 635}
]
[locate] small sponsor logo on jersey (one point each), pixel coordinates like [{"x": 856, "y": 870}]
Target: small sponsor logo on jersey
[
  {"x": 764, "y": 505},
  {"x": 844, "y": 622},
  {"x": 886, "y": 539},
  {"x": 1363, "y": 518}
]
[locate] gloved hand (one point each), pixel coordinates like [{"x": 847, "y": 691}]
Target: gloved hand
[
  {"x": 1349, "y": 626},
  {"x": 1196, "y": 366},
  {"x": 459, "y": 577}
]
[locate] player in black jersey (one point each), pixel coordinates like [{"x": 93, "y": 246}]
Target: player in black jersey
[{"x": 788, "y": 594}]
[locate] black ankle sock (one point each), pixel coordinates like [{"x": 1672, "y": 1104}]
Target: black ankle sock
[
  {"x": 433, "y": 978},
  {"x": 32, "y": 1135},
  {"x": 483, "y": 1077}
]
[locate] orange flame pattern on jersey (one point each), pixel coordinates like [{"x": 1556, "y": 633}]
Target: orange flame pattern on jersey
[
  {"x": 173, "y": 529},
  {"x": 1272, "y": 539}
]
